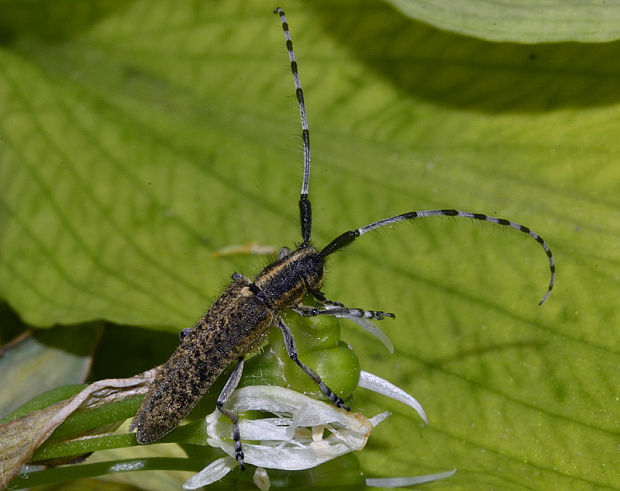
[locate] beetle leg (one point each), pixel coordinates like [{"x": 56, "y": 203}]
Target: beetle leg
[
  {"x": 184, "y": 332},
  {"x": 285, "y": 251},
  {"x": 320, "y": 296},
  {"x": 291, "y": 349},
  {"x": 341, "y": 311},
  {"x": 229, "y": 388}
]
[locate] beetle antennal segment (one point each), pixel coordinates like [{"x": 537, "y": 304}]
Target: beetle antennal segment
[
  {"x": 305, "y": 210},
  {"x": 346, "y": 238}
]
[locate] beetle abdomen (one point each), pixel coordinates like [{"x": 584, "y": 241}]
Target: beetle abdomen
[{"x": 236, "y": 324}]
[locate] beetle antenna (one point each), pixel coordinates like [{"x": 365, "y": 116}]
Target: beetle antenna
[
  {"x": 305, "y": 210},
  {"x": 346, "y": 238}
]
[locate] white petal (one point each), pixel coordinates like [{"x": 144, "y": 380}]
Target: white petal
[
  {"x": 381, "y": 386},
  {"x": 261, "y": 479},
  {"x": 318, "y": 413},
  {"x": 213, "y": 472},
  {"x": 372, "y": 329},
  {"x": 397, "y": 482},
  {"x": 305, "y": 410},
  {"x": 287, "y": 457},
  {"x": 265, "y": 429},
  {"x": 352, "y": 439},
  {"x": 289, "y": 443},
  {"x": 375, "y": 420}
]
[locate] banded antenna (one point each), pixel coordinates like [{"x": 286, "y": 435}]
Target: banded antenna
[
  {"x": 346, "y": 238},
  {"x": 305, "y": 210}
]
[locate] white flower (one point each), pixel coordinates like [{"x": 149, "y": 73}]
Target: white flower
[
  {"x": 302, "y": 433},
  {"x": 299, "y": 433}
]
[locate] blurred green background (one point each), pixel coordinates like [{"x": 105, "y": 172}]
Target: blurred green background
[{"x": 137, "y": 138}]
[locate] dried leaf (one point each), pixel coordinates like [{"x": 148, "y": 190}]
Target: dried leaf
[{"x": 22, "y": 436}]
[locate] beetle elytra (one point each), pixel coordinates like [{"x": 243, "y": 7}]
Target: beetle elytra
[{"x": 239, "y": 320}]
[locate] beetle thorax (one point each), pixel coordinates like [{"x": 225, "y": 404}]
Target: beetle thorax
[{"x": 286, "y": 281}]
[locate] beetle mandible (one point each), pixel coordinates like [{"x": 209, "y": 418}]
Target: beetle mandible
[{"x": 239, "y": 320}]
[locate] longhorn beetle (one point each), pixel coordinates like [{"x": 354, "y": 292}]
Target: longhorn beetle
[{"x": 240, "y": 318}]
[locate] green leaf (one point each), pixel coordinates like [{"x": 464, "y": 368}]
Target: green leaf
[
  {"x": 148, "y": 136},
  {"x": 45, "y": 360},
  {"x": 96, "y": 409},
  {"x": 521, "y": 21}
]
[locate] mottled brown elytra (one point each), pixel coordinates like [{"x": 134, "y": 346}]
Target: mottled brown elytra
[{"x": 240, "y": 318}]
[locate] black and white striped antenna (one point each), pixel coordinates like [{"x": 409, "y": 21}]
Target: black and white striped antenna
[
  {"x": 305, "y": 211},
  {"x": 346, "y": 238}
]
